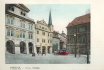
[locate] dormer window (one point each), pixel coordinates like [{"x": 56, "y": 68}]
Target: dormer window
[
  {"x": 23, "y": 13},
  {"x": 42, "y": 27},
  {"x": 11, "y": 8}
]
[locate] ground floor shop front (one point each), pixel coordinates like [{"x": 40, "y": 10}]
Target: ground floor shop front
[{"x": 43, "y": 49}]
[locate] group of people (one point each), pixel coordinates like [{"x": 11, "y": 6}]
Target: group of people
[{"x": 43, "y": 52}]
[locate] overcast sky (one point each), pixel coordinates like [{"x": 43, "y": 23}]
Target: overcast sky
[{"x": 61, "y": 14}]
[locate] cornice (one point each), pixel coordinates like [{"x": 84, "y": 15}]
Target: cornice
[{"x": 12, "y": 14}]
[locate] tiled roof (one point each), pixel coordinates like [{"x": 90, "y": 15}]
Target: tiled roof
[
  {"x": 80, "y": 20},
  {"x": 24, "y": 7}
]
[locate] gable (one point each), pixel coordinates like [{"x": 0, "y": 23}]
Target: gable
[{"x": 42, "y": 22}]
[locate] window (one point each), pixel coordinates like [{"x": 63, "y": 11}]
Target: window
[
  {"x": 20, "y": 34},
  {"x": 37, "y": 40},
  {"x": 37, "y": 32},
  {"x": 8, "y": 32},
  {"x": 82, "y": 40},
  {"x": 23, "y": 25},
  {"x": 8, "y": 21},
  {"x": 48, "y": 41},
  {"x": 73, "y": 31},
  {"x": 72, "y": 40},
  {"x": 31, "y": 27},
  {"x": 43, "y": 33},
  {"x": 23, "y": 13},
  {"x": 12, "y": 32},
  {"x": 30, "y": 35},
  {"x": 11, "y": 8},
  {"x": 12, "y": 21},
  {"x": 82, "y": 29},
  {"x": 23, "y": 35},
  {"x": 48, "y": 35},
  {"x": 43, "y": 40},
  {"x": 42, "y": 27}
]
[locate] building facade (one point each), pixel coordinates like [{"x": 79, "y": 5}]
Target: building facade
[
  {"x": 78, "y": 34},
  {"x": 55, "y": 41},
  {"x": 19, "y": 30},
  {"x": 44, "y": 35}
]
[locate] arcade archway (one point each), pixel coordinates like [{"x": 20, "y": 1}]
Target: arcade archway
[
  {"x": 31, "y": 48},
  {"x": 43, "y": 49},
  {"x": 22, "y": 47},
  {"x": 10, "y": 46}
]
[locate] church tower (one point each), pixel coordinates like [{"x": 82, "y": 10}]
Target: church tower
[{"x": 50, "y": 22}]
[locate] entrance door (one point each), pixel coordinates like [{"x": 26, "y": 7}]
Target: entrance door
[{"x": 37, "y": 48}]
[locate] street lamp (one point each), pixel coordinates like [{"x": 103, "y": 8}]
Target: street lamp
[
  {"x": 87, "y": 54},
  {"x": 75, "y": 43}
]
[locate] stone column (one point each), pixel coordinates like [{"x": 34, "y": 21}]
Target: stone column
[
  {"x": 46, "y": 48},
  {"x": 40, "y": 48},
  {"x": 27, "y": 48}
]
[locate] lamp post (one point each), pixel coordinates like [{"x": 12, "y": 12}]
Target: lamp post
[
  {"x": 75, "y": 43},
  {"x": 87, "y": 55}
]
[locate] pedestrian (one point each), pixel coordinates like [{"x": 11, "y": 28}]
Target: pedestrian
[
  {"x": 43, "y": 52},
  {"x": 33, "y": 54}
]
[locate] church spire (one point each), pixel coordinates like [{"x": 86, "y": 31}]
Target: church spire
[{"x": 50, "y": 19}]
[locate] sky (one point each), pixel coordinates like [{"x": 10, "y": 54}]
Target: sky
[{"x": 61, "y": 14}]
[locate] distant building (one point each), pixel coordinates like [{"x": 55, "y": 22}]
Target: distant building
[
  {"x": 44, "y": 35},
  {"x": 56, "y": 41},
  {"x": 78, "y": 34},
  {"x": 19, "y": 30},
  {"x": 63, "y": 40}
]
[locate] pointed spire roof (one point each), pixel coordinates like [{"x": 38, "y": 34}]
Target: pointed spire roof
[{"x": 50, "y": 19}]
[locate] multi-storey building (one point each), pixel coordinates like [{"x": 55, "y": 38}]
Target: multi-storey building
[
  {"x": 44, "y": 35},
  {"x": 19, "y": 29},
  {"x": 78, "y": 34}
]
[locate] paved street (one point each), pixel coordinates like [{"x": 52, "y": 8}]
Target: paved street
[{"x": 48, "y": 59}]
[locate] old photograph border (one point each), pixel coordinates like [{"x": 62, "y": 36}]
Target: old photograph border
[{"x": 97, "y": 28}]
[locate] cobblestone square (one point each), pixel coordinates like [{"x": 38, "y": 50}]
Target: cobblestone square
[{"x": 45, "y": 59}]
